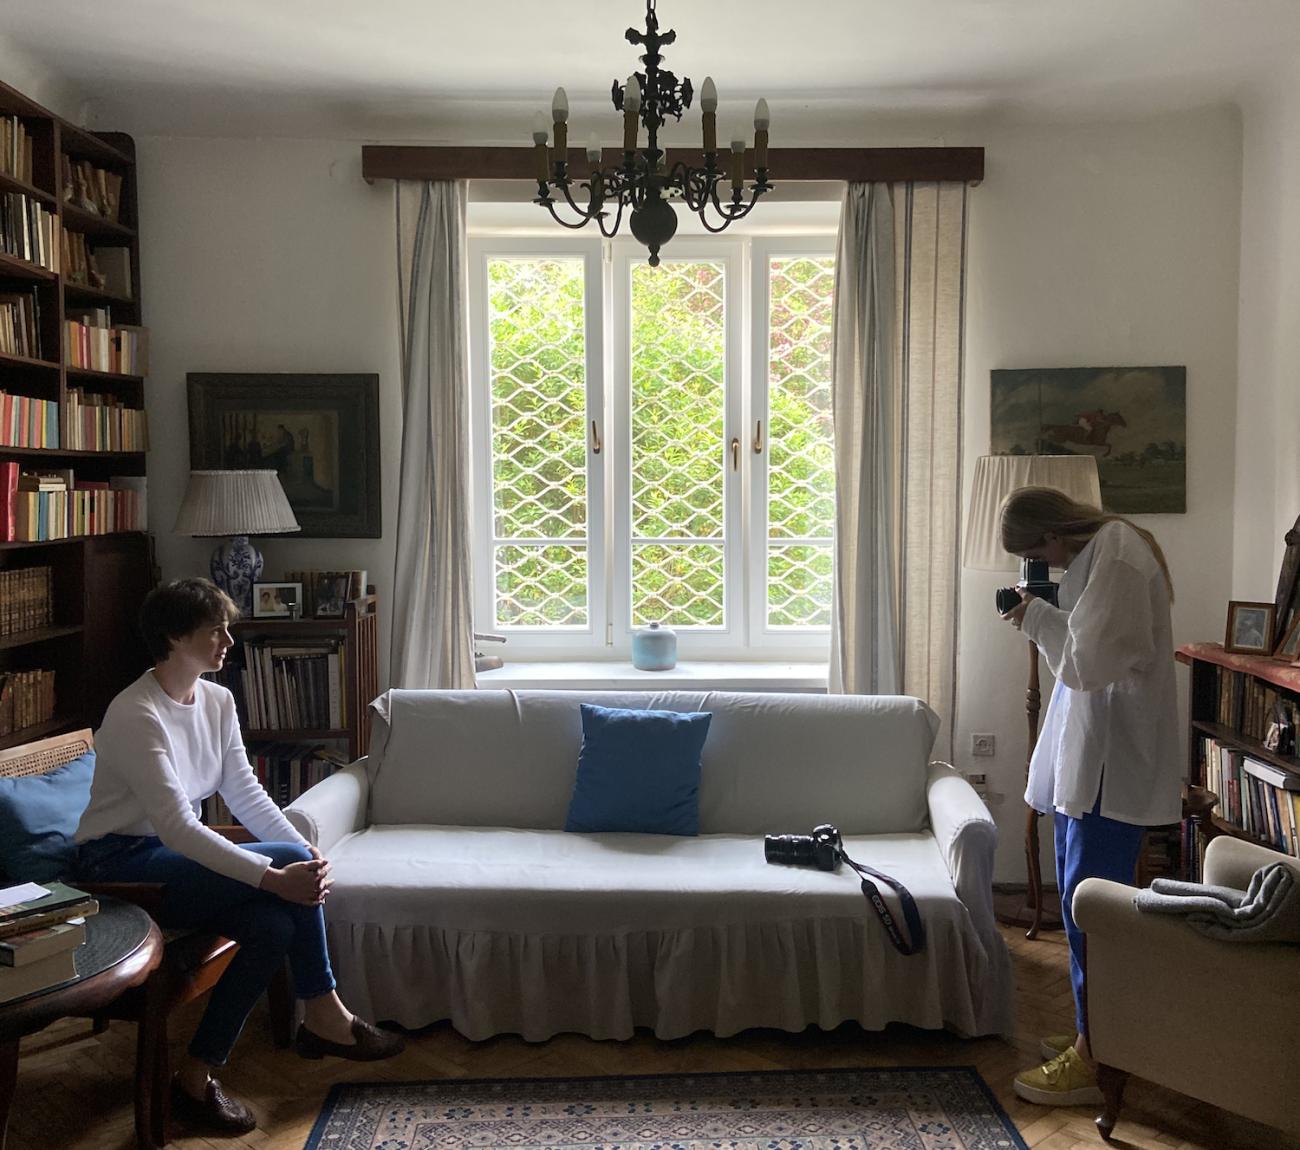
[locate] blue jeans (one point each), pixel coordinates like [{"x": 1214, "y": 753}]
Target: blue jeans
[
  {"x": 1091, "y": 847},
  {"x": 267, "y": 928}
]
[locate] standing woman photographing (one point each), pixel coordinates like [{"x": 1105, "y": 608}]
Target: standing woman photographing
[{"x": 1106, "y": 764}]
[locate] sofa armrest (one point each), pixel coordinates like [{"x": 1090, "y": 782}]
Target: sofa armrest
[
  {"x": 333, "y": 808},
  {"x": 967, "y": 836},
  {"x": 1231, "y": 862}
]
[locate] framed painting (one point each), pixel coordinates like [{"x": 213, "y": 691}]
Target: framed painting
[
  {"x": 1132, "y": 420},
  {"x": 320, "y": 433}
]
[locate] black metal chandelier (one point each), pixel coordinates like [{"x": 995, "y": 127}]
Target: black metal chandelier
[{"x": 644, "y": 183}]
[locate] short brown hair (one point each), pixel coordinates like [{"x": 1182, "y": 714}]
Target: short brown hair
[{"x": 179, "y": 608}]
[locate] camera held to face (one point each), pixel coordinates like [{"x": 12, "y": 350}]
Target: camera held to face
[
  {"x": 1034, "y": 581},
  {"x": 821, "y": 849}
]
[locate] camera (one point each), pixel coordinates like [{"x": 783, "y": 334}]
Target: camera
[
  {"x": 1034, "y": 581},
  {"x": 821, "y": 849}
]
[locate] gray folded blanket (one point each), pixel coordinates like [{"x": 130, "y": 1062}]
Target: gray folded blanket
[{"x": 1268, "y": 910}]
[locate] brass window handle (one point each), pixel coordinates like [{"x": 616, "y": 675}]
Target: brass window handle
[
  {"x": 735, "y": 453},
  {"x": 758, "y": 438},
  {"x": 595, "y": 438}
]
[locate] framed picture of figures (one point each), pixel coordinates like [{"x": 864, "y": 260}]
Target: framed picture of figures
[
  {"x": 320, "y": 433},
  {"x": 1133, "y": 420}
]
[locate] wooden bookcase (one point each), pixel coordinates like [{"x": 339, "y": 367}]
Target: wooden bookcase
[
  {"x": 355, "y": 637},
  {"x": 1230, "y": 708},
  {"x": 98, "y": 581}
]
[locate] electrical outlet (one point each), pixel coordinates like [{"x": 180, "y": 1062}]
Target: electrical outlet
[
  {"x": 977, "y": 779},
  {"x": 982, "y": 744}
]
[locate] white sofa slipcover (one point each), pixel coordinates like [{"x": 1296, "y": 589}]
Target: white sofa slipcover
[{"x": 457, "y": 894}]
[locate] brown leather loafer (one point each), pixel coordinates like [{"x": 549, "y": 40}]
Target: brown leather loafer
[
  {"x": 371, "y": 1045},
  {"x": 218, "y": 1112}
]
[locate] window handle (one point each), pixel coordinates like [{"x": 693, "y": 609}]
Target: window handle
[
  {"x": 758, "y": 438},
  {"x": 735, "y": 453},
  {"x": 595, "y": 438}
]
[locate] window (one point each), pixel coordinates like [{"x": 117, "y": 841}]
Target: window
[{"x": 653, "y": 444}]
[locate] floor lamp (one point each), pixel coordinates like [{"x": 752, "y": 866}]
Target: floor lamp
[{"x": 996, "y": 477}]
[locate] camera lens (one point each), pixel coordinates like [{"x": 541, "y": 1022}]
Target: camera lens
[{"x": 788, "y": 850}]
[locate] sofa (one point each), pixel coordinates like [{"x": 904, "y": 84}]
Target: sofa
[{"x": 457, "y": 894}]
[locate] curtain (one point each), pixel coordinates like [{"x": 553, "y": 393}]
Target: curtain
[
  {"x": 897, "y": 370},
  {"x": 433, "y": 631}
]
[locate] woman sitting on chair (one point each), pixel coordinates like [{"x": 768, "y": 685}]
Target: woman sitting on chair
[{"x": 169, "y": 741}]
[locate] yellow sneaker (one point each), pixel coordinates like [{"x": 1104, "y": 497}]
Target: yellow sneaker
[
  {"x": 1055, "y": 1044},
  {"x": 1065, "y": 1081}
]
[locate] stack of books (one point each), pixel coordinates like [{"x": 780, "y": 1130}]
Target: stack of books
[{"x": 41, "y": 927}]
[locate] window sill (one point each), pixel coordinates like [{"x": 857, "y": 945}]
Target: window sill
[{"x": 687, "y": 676}]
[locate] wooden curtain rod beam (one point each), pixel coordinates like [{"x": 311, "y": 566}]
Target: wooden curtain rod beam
[{"x": 892, "y": 165}]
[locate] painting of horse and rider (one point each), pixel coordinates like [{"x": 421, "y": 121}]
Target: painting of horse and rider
[{"x": 1132, "y": 420}]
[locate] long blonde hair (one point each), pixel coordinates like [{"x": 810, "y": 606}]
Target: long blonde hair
[{"x": 1029, "y": 513}]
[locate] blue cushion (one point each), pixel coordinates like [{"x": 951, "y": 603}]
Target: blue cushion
[
  {"x": 39, "y": 816},
  {"x": 638, "y": 771}
]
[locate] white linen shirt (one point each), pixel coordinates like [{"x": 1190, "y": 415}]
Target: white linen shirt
[
  {"x": 1110, "y": 646},
  {"x": 157, "y": 759}
]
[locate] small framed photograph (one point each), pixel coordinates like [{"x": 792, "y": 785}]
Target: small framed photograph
[
  {"x": 330, "y": 594},
  {"x": 1250, "y": 628},
  {"x": 1289, "y": 648},
  {"x": 277, "y": 600}
]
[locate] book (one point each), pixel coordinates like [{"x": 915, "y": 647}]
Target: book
[
  {"x": 44, "y": 973},
  {"x": 12, "y": 926},
  {"x": 1274, "y": 776},
  {"x": 33, "y": 945}
]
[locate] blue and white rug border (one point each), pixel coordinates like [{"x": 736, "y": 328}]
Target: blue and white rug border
[{"x": 332, "y": 1098}]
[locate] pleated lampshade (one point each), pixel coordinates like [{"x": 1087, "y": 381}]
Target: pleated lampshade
[{"x": 219, "y": 503}]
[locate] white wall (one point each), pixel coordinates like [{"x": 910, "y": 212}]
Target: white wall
[
  {"x": 1267, "y": 488},
  {"x": 266, "y": 256},
  {"x": 1096, "y": 246},
  {"x": 1089, "y": 245},
  {"x": 35, "y": 80}
]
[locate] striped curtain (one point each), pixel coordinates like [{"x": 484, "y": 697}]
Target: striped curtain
[{"x": 897, "y": 370}]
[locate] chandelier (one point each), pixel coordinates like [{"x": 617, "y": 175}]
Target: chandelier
[{"x": 643, "y": 183}]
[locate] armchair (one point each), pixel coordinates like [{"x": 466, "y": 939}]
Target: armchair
[{"x": 1206, "y": 1018}]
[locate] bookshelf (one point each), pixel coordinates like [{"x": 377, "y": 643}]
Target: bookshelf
[
  {"x": 89, "y": 544},
  {"x": 1234, "y": 699},
  {"x": 299, "y": 683}
]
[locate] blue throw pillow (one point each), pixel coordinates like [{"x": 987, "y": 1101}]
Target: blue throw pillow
[
  {"x": 638, "y": 771},
  {"x": 38, "y": 817}
]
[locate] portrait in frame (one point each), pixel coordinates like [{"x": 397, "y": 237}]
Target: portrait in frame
[
  {"x": 320, "y": 433},
  {"x": 1250, "y": 628},
  {"x": 277, "y": 600}
]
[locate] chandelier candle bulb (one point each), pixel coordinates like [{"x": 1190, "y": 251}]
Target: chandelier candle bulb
[
  {"x": 709, "y": 106},
  {"x": 631, "y": 106},
  {"x": 593, "y": 148},
  {"x": 737, "y": 165},
  {"x": 539, "y": 146},
  {"x": 762, "y": 121},
  {"x": 560, "y": 114}
]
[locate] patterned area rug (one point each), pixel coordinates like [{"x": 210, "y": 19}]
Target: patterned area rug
[{"x": 875, "y": 1109}]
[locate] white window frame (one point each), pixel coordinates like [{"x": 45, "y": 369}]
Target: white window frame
[
  {"x": 607, "y": 305},
  {"x": 555, "y": 640}
]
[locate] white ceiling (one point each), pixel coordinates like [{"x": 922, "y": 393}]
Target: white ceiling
[{"x": 433, "y": 69}]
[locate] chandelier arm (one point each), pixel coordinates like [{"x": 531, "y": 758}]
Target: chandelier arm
[
  {"x": 612, "y": 231},
  {"x": 588, "y": 213},
  {"x": 550, "y": 206}
]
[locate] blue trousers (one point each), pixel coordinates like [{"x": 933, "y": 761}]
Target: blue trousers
[
  {"x": 267, "y": 928},
  {"x": 1090, "y": 847}
]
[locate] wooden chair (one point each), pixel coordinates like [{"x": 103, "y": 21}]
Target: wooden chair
[{"x": 192, "y": 963}]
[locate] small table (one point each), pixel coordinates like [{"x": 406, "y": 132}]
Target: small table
[{"x": 123, "y": 947}]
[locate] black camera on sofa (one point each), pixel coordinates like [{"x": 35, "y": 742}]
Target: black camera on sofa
[
  {"x": 822, "y": 848},
  {"x": 1034, "y": 581}
]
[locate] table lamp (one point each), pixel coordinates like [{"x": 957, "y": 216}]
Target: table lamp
[
  {"x": 235, "y": 504},
  {"x": 996, "y": 477}
]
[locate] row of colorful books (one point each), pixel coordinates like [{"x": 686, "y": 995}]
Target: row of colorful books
[
  {"x": 20, "y": 324},
  {"x": 15, "y": 149},
  {"x": 26, "y": 698},
  {"x": 104, "y": 423},
  {"x": 55, "y": 504},
  {"x": 41, "y": 927},
  {"x": 1250, "y": 705},
  {"x": 285, "y": 686},
  {"x": 28, "y": 230},
  {"x": 1258, "y": 796},
  {"x": 28, "y": 422},
  {"x": 285, "y": 770},
  {"x": 93, "y": 343},
  {"x": 104, "y": 268},
  {"x": 26, "y": 599},
  {"x": 92, "y": 189}
]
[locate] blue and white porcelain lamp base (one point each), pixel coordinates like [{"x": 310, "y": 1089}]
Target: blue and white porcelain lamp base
[{"x": 236, "y": 565}]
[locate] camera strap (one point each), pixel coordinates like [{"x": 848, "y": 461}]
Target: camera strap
[{"x": 915, "y": 928}]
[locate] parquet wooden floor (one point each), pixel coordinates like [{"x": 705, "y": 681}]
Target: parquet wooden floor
[{"x": 74, "y": 1089}]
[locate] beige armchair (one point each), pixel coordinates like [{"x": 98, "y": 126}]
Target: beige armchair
[{"x": 1213, "y": 1020}]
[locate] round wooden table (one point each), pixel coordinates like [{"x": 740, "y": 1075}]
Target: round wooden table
[{"x": 123, "y": 947}]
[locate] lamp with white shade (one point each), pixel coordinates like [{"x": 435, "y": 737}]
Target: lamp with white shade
[
  {"x": 235, "y": 505},
  {"x": 996, "y": 477}
]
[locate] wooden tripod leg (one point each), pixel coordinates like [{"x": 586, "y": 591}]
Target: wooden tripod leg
[{"x": 1035, "y": 894}]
